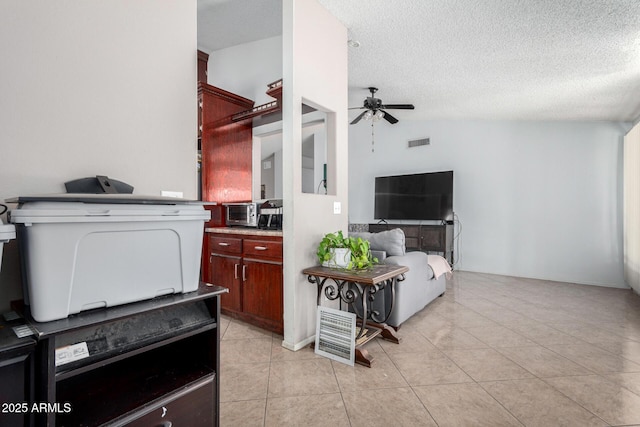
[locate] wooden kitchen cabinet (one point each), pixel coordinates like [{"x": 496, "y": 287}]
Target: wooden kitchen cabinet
[
  {"x": 250, "y": 266},
  {"x": 203, "y": 62},
  {"x": 226, "y": 146},
  {"x": 262, "y": 291}
]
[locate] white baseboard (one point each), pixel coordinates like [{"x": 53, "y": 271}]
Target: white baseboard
[{"x": 299, "y": 345}]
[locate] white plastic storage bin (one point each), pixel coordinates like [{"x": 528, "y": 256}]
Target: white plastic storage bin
[
  {"x": 7, "y": 232},
  {"x": 81, "y": 252}
]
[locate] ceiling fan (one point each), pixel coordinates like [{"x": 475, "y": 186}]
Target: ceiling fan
[{"x": 374, "y": 109}]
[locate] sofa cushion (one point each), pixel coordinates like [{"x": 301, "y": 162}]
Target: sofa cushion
[{"x": 390, "y": 241}]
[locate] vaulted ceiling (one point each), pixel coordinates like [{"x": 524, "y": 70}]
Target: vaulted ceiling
[{"x": 471, "y": 59}]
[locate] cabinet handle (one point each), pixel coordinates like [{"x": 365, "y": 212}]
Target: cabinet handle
[
  {"x": 244, "y": 273},
  {"x": 260, "y": 248},
  {"x": 223, "y": 244},
  {"x": 235, "y": 271},
  {"x": 200, "y": 103},
  {"x": 166, "y": 424}
]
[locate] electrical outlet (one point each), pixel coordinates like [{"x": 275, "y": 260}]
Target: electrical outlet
[{"x": 337, "y": 208}]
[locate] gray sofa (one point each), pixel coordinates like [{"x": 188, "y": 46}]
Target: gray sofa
[{"x": 420, "y": 286}]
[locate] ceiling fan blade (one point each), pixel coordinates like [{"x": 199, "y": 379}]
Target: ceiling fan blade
[
  {"x": 357, "y": 119},
  {"x": 399, "y": 106},
  {"x": 356, "y": 108},
  {"x": 388, "y": 117}
]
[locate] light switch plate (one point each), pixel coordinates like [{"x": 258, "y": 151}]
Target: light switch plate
[
  {"x": 337, "y": 208},
  {"x": 164, "y": 193}
]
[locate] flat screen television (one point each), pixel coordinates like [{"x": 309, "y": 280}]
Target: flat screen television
[{"x": 422, "y": 196}]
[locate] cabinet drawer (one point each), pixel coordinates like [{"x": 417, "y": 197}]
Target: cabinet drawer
[
  {"x": 227, "y": 245},
  {"x": 263, "y": 249},
  {"x": 194, "y": 407}
]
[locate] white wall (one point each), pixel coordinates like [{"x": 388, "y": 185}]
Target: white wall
[
  {"x": 631, "y": 212},
  {"x": 314, "y": 72},
  {"x": 247, "y": 69},
  {"x": 535, "y": 199},
  {"x": 96, "y": 88}
]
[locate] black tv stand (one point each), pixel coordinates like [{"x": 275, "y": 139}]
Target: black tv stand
[{"x": 425, "y": 238}]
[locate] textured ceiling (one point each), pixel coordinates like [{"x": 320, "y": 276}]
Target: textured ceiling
[
  {"x": 226, "y": 23},
  {"x": 471, "y": 59}
]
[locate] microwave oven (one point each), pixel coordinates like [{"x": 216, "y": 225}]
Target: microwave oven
[{"x": 242, "y": 214}]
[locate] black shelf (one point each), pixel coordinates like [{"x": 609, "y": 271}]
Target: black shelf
[
  {"x": 77, "y": 368},
  {"x": 148, "y": 379},
  {"x": 105, "y": 315},
  {"x": 163, "y": 351}
]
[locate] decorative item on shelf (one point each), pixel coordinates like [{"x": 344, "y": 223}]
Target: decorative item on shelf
[{"x": 350, "y": 253}]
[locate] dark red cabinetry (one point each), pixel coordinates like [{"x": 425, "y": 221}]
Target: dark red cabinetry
[{"x": 250, "y": 266}]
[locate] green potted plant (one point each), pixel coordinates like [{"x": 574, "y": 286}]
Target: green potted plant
[
  {"x": 335, "y": 250},
  {"x": 360, "y": 254}
]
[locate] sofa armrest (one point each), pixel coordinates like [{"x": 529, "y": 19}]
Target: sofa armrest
[
  {"x": 416, "y": 261},
  {"x": 419, "y": 288},
  {"x": 381, "y": 255}
]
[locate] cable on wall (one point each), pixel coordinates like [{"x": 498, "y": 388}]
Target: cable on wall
[{"x": 456, "y": 239}]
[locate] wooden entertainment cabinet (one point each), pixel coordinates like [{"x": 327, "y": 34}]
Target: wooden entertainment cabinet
[{"x": 426, "y": 238}]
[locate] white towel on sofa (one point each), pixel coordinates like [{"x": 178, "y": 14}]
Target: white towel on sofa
[{"x": 439, "y": 265}]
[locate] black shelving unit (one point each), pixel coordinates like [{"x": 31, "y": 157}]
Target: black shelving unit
[
  {"x": 16, "y": 373},
  {"x": 154, "y": 362}
]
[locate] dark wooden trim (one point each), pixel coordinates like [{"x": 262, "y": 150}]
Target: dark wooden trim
[{"x": 226, "y": 95}]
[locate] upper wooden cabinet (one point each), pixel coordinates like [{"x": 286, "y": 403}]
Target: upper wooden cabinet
[
  {"x": 226, "y": 146},
  {"x": 203, "y": 60}
]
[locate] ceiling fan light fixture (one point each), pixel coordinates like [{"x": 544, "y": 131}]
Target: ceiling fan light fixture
[{"x": 375, "y": 110}]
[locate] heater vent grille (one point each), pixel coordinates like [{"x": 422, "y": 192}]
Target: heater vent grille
[
  {"x": 335, "y": 335},
  {"x": 419, "y": 142}
]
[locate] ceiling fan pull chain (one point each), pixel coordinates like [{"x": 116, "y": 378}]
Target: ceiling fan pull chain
[{"x": 372, "y": 143}]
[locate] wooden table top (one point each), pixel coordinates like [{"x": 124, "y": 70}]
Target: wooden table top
[{"x": 370, "y": 276}]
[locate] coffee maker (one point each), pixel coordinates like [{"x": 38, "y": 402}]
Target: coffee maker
[{"x": 270, "y": 217}]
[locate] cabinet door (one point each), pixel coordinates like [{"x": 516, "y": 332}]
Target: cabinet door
[
  {"x": 225, "y": 271},
  {"x": 433, "y": 238},
  {"x": 262, "y": 290},
  {"x": 411, "y": 236}
]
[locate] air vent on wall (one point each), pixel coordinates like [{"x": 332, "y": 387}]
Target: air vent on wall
[
  {"x": 419, "y": 142},
  {"x": 335, "y": 334}
]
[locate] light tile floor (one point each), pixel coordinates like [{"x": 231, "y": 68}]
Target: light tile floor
[{"x": 493, "y": 351}]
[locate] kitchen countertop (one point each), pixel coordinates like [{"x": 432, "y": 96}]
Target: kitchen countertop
[{"x": 244, "y": 230}]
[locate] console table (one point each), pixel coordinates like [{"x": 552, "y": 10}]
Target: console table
[
  {"x": 154, "y": 362},
  {"x": 357, "y": 288}
]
